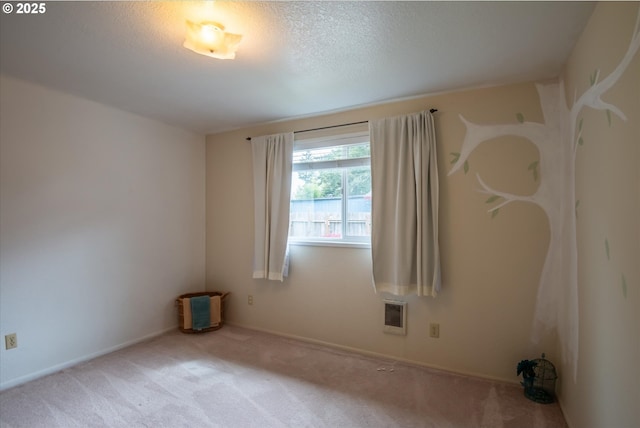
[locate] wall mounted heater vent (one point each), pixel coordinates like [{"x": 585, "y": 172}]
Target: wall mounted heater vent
[{"x": 395, "y": 317}]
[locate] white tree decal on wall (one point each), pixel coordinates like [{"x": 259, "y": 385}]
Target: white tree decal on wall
[{"x": 557, "y": 140}]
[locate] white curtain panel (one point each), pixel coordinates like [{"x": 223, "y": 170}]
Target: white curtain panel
[
  {"x": 272, "y": 166},
  {"x": 404, "y": 210}
]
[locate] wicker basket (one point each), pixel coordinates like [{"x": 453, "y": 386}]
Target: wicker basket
[{"x": 179, "y": 301}]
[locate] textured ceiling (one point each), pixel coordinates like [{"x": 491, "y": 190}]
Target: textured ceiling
[{"x": 295, "y": 59}]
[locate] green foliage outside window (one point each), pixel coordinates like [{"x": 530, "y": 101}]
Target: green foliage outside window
[{"x": 328, "y": 183}]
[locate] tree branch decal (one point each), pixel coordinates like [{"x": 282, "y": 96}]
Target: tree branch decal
[
  {"x": 592, "y": 96},
  {"x": 508, "y": 197},
  {"x": 477, "y": 134}
]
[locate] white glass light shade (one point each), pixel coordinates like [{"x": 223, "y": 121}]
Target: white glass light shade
[{"x": 208, "y": 38}]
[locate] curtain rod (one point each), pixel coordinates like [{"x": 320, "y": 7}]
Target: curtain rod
[{"x": 433, "y": 110}]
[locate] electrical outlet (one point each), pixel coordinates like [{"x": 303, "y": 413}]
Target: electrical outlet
[
  {"x": 434, "y": 330},
  {"x": 11, "y": 341},
  {"x": 250, "y": 299}
]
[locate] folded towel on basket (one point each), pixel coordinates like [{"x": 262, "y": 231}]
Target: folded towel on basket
[{"x": 200, "y": 312}]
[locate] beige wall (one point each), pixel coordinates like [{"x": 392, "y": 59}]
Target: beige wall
[
  {"x": 101, "y": 223},
  {"x": 490, "y": 267},
  {"x": 607, "y": 390}
]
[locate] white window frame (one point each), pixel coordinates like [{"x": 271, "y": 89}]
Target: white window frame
[{"x": 351, "y": 138}]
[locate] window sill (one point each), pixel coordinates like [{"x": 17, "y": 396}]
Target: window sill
[{"x": 322, "y": 243}]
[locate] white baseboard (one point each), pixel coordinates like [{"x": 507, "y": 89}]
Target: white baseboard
[
  {"x": 58, "y": 367},
  {"x": 32, "y": 376},
  {"x": 374, "y": 354}
]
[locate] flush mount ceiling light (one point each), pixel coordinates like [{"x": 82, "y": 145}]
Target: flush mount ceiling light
[{"x": 208, "y": 38}]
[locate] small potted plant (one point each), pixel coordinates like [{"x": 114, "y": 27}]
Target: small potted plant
[{"x": 526, "y": 367}]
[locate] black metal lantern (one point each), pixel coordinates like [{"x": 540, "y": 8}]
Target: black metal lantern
[{"x": 539, "y": 379}]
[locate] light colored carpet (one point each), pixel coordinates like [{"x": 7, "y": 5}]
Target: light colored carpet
[{"x": 235, "y": 377}]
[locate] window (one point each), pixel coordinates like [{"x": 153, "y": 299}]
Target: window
[{"x": 331, "y": 190}]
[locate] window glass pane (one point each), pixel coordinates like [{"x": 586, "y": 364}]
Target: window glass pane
[
  {"x": 358, "y": 151},
  {"x": 315, "y": 155},
  {"x": 331, "y": 153},
  {"x": 316, "y": 204},
  {"x": 330, "y": 184},
  {"x": 359, "y": 201}
]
